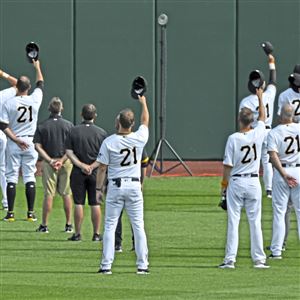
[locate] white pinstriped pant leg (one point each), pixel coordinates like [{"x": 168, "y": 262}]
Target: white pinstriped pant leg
[{"x": 3, "y": 183}]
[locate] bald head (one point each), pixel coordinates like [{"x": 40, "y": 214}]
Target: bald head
[
  {"x": 126, "y": 118},
  {"x": 23, "y": 84},
  {"x": 287, "y": 113}
]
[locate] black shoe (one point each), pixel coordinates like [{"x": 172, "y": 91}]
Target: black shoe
[
  {"x": 271, "y": 256},
  {"x": 142, "y": 271},
  {"x": 69, "y": 228},
  {"x": 105, "y": 272},
  {"x": 10, "y": 217},
  {"x": 42, "y": 229},
  {"x": 31, "y": 216},
  {"x": 269, "y": 194},
  {"x": 118, "y": 248},
  {"x": 75, "y": 237},
  {"x": 97, "y": 237}
]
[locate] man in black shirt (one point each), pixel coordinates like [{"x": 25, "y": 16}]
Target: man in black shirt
[
  {"x": 83, "y": 144},
  {"x": 49, "y": 141}
]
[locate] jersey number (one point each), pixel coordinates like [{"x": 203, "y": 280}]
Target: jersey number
[
  {"x": 23, "y": 117},
  {"x": 126, "y": 161},
  {"x": 246, "y": 159},
  {"x": 297, "y": 110},
  {"x": 290, "y": 140},
  {"x": 267, "y": 109}
]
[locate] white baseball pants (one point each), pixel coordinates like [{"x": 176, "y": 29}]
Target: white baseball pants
[
  {"x": 281, "y": 194},
  {"x": 129, "y": 196},
  {"x": 244, "y": 192},
  {"x": 16, "y": 158},
  {"x": 267, "y": 166},
  {"x": 3, "y": 183}
]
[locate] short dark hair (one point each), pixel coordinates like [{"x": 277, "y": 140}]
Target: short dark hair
[
  {"x": 126, "y": 118},
  {"x": 246, "y": 116},
  {"x": 23, "y": 84},
  {"x": 55, "y": 105},
  {"x": 89, "y": 112}
]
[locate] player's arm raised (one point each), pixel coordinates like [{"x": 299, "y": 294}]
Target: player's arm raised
[
  {"x": 12, "y": 80},
  {"x": 272, "y": 68},
  {"x": 261, "y": 108},
  {"x": 39, "y": 75},
  {"x": 145, "y": 112}
]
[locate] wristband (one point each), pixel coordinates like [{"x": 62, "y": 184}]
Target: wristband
[
  {"x": 5, "y": 75},
  {"x": 271, "y": 66},
  {"x": 224, "y": 184}
]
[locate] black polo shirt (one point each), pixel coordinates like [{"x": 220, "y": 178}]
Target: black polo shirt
[
  {"x": 51, "y": 134},
  {"x": 85, "y": 141}
]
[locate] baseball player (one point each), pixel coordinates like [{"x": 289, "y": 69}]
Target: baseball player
[
  {"x": 121, "y": 154},
  {"x": 18, "y": 120},
  {"x": 291, "y": 96},
  {"x": 4, "y": 96},
  {"x": 118, "y": 234},
  {"x": 268, "y": 101},
  {"x": 241, "y": 179},
  {"x": 284, "y": 150}
]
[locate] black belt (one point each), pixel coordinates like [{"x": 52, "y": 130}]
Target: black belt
[
  {"x": 25, "y": 135},
  {"x": 117, "y": 181},
  {"x": 268, "y": 127},
  {"x": 290, "y": 165},
  {"x": 245, "y": 175}
]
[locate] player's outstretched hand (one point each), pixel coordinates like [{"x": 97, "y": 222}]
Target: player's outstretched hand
[
  {"x": 271, "y": 59},
  {"x": 142, "y": 99},
  {"x": 291, "y": 181},
  {"x": 23, "y": 145},
  {"x": 36, "y": 64},
  {"x": 259, "y": 92}
]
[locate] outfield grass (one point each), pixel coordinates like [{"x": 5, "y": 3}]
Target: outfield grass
[{"x": 186, "y": 236}]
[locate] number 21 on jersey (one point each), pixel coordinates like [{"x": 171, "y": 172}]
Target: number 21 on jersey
[
  {"x": 248, "y": 153},
  {"x": 25, "y": 114},
  {"x": 128, "y": 154}
]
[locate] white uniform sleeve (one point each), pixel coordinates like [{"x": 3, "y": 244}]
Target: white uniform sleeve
[
  {"x": 271, "y": 141},
  {"x": 103, "y": 155},
  {"x": 229, "y": 151},
  {"x": 281, "y": 101},
  {"x": 4, "y": 117},
  {"x": 271, "y": 90},
  {"x": 7, "y": 94},
  {"x": 37, "y": 95},
  {"x": 142, "y": 134}
]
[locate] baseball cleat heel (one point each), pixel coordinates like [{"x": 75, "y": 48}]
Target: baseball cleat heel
[
  {"x": 269, "y": 194},
  {"x": 31, "y": 217},
  {"x": 118, "y": 249},
  {"x": 272, "y": 256},
  {"x": 105, "y": 271},
  {"x": 10, "y": 217},
  {"x": 142, "y": 271},
  {"x": 227, "y": 265},
  {"x": 260, "y": 265},
  {"x": 75, "y": 237},
  {"x": 97, "y": 237}
]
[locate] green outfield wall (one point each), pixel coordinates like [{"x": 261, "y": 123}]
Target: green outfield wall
[{"x": 91, "y": 50}]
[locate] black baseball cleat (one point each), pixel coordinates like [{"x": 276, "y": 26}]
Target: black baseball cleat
[
  {"x": 31, "y": 216},
  {"x": 97, "y": 237},
  {"x": 118, "y": 249},
  {"x": 42, "y": 228},
  {"x": 69, "y": 228},
  {"x": 272, "y": 256},
  {"x": 269, "y": 194},
  {"x": 105, "y": 271},
  {"x": 142, "y": 271},
  {"x": 75, "y": 237},
  {"x": 10, "y": 217},
  {"x": 227, "y": 265}
]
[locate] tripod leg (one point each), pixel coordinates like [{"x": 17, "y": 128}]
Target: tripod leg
[
  {"x": 155, "y": 158},
  {"x": 181, "y": 161}
]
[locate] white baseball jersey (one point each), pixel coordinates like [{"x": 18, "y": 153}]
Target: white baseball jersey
[
  {"x": 291, "y": 97},
  {"x": 21, "y": 113},
  {"x": 243, "y": 150},
  {"x": 6, "y": 94},
  {"x": 123, "y": 153},
  {"x": 285, "y": 140},
  {"x": 268, "y": 98}
]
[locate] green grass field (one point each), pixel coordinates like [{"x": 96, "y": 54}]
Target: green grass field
[{"x": 186, "y": 236}]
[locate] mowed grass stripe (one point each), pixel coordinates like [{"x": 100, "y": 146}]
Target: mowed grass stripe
[{"x": 186, "y": 236}]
